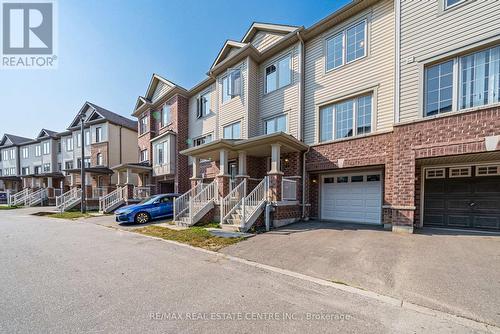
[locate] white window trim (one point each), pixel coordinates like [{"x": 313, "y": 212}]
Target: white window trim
[
  {"x": 265, "y": 120},
  {"x": 203, "y": 136},
  {"x": 442, "y": 176},
  {"x": 487, "y": 174},
  {"x": 226, "y": 75},
  {"x": 162, "y": 116},
  {"x": 343, "y": 31},
  {"x": 210, "y": 111},
  {"x": 447, "y": 7},
  {"x": 232, "y": 124},
  {"x": 275, "y": 63},
  {"x": 468, "y": 174}
]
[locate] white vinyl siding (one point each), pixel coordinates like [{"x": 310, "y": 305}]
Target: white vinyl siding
[
  {"x": 374, "y": 73},
  {"x": 435, "y": 35},
  {"x": 200, "y": 126},
  {"x": 264, "y": 39},
  {"x": 236, "y": 108}
]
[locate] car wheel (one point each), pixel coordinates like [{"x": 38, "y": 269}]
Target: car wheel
[{"x": 141, "y": 218}]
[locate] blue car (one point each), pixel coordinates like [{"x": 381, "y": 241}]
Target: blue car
[{"x": 158, "y": 206}]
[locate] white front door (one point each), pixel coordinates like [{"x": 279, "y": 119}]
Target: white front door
[{"x": 353, "y": 197}]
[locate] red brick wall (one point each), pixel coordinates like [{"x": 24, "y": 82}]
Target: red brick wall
[{"x": 99, "y": 148}]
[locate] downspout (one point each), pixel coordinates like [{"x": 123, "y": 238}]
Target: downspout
[
  {"x": 120, "y": 145},
  {"x": 397, "y": 77},
  {"x": 304, "y": 183},
  {"x": 301, "y": 87}
]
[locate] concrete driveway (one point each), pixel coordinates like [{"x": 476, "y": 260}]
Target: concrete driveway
[{"x": 455, "y": 272}]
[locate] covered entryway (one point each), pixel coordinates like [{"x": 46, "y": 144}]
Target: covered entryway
[
  {"x": 462, "y": 197},
  {"x": 353, "y": 197}
]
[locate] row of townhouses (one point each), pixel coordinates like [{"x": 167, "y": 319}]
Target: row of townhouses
[{"x": 384, "y": 112}]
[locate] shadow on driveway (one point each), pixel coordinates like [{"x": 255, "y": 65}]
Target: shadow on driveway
[{"x": 453, "y": 271}]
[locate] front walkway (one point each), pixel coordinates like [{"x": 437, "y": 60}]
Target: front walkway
[{"x": 455, "y": 272}]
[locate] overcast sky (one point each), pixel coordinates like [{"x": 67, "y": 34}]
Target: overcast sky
[{"x": 108, "y": 50}]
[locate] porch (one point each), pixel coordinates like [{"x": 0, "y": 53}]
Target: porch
[{"x": 246, "y": 175}]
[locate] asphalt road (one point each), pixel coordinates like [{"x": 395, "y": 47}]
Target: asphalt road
[{"x": 76, "y": 277}]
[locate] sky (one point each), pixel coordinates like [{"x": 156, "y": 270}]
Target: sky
[{"x": 109, "y": 49}]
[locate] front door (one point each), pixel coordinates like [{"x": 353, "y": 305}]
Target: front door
[{"x": 233, "y": 171}]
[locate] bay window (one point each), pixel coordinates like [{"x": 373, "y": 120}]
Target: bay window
[{"x": 347, "y": 118}]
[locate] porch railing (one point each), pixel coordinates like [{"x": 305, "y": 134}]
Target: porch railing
[
  {"x": 113, "y": 198},
  {"x": 99, "y": 192},
  {"x": 289, "y": 189},
  {"x": 207, "y": 194},
  {"x": 19, "y": 197},
  {"x": 142, "y": 192},
  {"x": 181, "y": 203},
  {"x": 37, "y": 197},
  {"x": 229, "y": 203},
  {"x": 68, "y": 198},
  {"x": 254, "y": 200}
]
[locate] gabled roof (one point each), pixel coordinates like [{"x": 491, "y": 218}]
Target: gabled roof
[
  {"x": 13, "y": 140},
  {"x": 259, "y": 26},
  {"x": 97, "y": 112},
  {"x": 46, "y": 133},
  {"x": 155, "y": 80},
  {"x": 228, "y": 45},
  {"x": 140, "y": 102}
]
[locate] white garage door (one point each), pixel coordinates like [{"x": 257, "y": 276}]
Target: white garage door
[{"x": 355, "y": 197}]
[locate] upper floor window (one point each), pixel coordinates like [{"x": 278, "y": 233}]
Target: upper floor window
[
  {"x": 143, "y": 156},
  {"x": 69, "y": 144},
  {"x": 12, "y": 154},
  {"x": 86, "y": 162},
  {"x": 203, "y": 105},
  {"x": 68, "y": 165},
  {"x": 38, "y": 150},
  {"x": 78, "y": 140},
  {"x": 160, "y": 153},
  {"x": 452, "y": 3},
  {"x": 202, "y": 140},
  {"x": 232, "y": 131},
  {"x": 478, "y": 82},
  {"x": 346, "y": 119},
  {"x": 276, "y": 124},
  {"x": 143, "y": 125},
  {"x": 5, "y": 155},
  {"x": 46, "y": 168},
  {"x": 346, "y": 46},
  {"x": 38, "y": 169},
  {"x": 98, "y": 135},
  {"x": 25, "y": 152},
  {"x": 25, "y": 171},
  {"x": 279, "y": 74},
  {"x": 231, "y": 85},
  {"x": 58, "y": 147},
  {"x": 87, "y": 138},
  {"x": 166, "y": 114},
  {"x": 46, "y": 147},
  {"x": 99, "y": 159}
]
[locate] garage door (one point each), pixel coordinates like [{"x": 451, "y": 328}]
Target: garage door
[
  {"x": 355, "y": 197},
  {"x": 462, "y": 197}
]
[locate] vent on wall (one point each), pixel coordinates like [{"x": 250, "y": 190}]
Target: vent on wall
[
  {"x": 488, "y": 170},
  {"x": 460, "y": 172},
  {"x": 434, "y": 173}
]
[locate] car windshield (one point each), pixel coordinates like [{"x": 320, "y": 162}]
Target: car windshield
[{"x": 149, "y": 200}]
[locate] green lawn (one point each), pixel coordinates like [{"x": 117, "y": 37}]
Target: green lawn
[
  {"x": 69, "y": 215},
  {"x": 194, "y": 236},
  {"x": 6, "y": 207}
]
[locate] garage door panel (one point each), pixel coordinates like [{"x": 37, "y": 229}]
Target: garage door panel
[
  {"x": 462, "y": 202},
  {"x": 352, "y": 201}
]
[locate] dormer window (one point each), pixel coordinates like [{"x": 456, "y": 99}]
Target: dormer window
[{"x": 231, "y": 85}]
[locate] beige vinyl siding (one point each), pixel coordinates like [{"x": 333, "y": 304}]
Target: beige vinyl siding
[
  {"x": 428, "y": 33},
  {"x": 160, "y": 90},
  {"x": 374, "y": 72},
  {"x": 253, "y": 98},
  {"x": 235, "y": 109},
  {"x": 264, "y": 39},
  {"x": 206, "y": 125},
  {"x": 284, "y": 100}
]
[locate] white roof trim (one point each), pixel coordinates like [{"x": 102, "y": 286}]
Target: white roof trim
[
  {"x": 227, "y": 45},
  {"x": 266, "y": 27}
]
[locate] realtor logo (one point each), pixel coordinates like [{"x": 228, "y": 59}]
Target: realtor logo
[{"x": 28, "y": 34}]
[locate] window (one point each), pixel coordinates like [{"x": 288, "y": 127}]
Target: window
[
  {"x": 438, "y": 88},
  {"x": 203, "y": 105},
  {"x": 59, "y": 166},
  {"x": 25, "y": 152},
  {"x": 68, "y": 165},
  {"x": 78, "y": 140},
  {"x": 46, "y": 168},
  {"x": 434, "y": 173},
  {"x": 231, "y": 85},
  {"x": 86, "y": 162},
  {"x": 46, "y": 147},
  {"x": 166, "y": 114},
  {"x": 460, "y": 172},
  {"x": 25, "y": 171},
  {"x": 38, "y": 170},
  {"x": 99, "y": 160},
  {"x": 232, "y": 131},
  {"x": 346, "y": 119},
  {"x": 143, "y": 125},
  {"x": 357, "y": 178},
  {"x": 159, "y": 154},
  {"x": 87, "y": 138},
  {"x": 5, "y": 155},
  {"x": 58, "y": 147},
  {"x": 487, "y": 170},
  {"x": 342, "y": 179},
  {"x": 276, "y": 124},
  {"x": 451, "y": 3},
  {"x": 346, "y": 46},
  {"x": 279, "y": 74},
  {"x": 69, "y": 144},
  {"x": 38, "y": 151},
  {"x": 373, "y": 178},
  {"x": 328, "y": 180},
  {"x": 143, "y": 156},
  {"x": 98, "y": 134},
  {"x": 12, "y": 154},
  {"x": 202, "y": 140}
]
